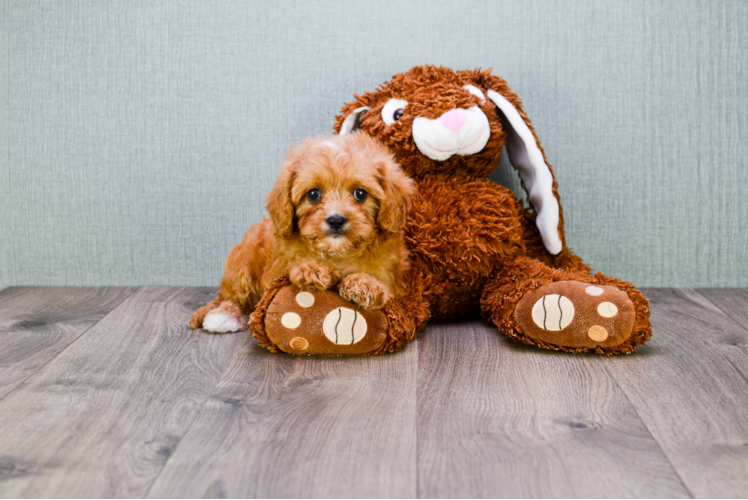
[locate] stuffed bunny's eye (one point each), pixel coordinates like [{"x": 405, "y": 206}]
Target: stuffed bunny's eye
[
  {"x": 393, "y": 110},
  {"x": 314, "y": 194},
  {"x": 359, "y": 194}
]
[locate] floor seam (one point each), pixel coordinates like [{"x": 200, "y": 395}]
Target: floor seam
[
  {"x": 649, "y": 431},
  {"x": 417, "y": 429},
  {"x": 739, "y": 323},
  {"x": 76, "y": 339},
  {"x": 197, "y": 413}
]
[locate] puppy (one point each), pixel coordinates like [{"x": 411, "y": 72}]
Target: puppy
[{"x": 336, "y": 214}]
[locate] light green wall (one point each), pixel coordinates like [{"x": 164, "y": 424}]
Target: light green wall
[{"x": 138, "y": 138}]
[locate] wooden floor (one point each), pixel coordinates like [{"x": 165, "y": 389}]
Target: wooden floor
[{"x": 106, "y": 392}]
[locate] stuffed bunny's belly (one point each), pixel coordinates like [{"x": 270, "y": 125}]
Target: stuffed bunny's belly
[{"x": 461, "y": 231}]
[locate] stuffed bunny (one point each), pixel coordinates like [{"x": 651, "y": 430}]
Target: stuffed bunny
[{"x": 474, "y": 248}]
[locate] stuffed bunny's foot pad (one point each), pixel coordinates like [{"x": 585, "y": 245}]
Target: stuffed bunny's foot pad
[
  {"x": 302, "y": 321},
  {"x": 576, "y": 314}
]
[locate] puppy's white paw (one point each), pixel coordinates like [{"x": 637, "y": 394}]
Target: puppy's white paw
[{"x": 219, "y": 321}]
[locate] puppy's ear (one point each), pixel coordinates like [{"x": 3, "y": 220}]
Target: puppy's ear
[
  {"x": 279, "y": 202},
  {"x": 527, "y": 157},
  {"x": 398, "y": 190}
]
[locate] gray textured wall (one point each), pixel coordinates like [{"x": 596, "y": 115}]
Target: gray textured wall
[{"x": 138, "y": 138}]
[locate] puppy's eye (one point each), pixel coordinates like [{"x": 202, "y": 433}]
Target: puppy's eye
[
  {"x": 393, "y": 110},
  {"x": 314, "y": 194},
  {"x": 360, "y": 194}
]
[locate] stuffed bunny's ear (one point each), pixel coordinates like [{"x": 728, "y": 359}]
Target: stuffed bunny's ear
[
  {"x": 526, "y": 157},
  {"x": 351, "y": 122}
]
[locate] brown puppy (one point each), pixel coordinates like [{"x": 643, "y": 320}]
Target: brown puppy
[{"x": 336, "y": 211}]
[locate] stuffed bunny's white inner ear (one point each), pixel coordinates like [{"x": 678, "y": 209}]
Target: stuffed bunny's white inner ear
[
  {"x": 475, "y": 91},
  {"x": 525, "y": 156},
  {"x": 351, "y": 121}
]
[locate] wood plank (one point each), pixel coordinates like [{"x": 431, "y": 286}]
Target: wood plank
[
  {"x": 732, "y": 301},
  {"x": 500, "y": 419},
  {"x": 36, "y": 324},
  {"x": 102, "y": 418},
  {"x": 283, "y": 426},
  {"x": 690, "y": 386}
]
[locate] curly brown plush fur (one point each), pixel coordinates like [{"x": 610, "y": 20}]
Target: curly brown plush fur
[{"x": 480, "y": 249}]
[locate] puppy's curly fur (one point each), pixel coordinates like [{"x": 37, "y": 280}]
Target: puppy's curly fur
[{"x": 336, "y": 215}]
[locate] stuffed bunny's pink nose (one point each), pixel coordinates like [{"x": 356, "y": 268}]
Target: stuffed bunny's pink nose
[{"x": 454, "y": 119}]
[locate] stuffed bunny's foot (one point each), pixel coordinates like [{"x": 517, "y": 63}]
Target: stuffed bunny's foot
[
  {"x": 306, "y": 321},
  {"x": 566, "y": 310},
  {"x": 574, "y": 314}
]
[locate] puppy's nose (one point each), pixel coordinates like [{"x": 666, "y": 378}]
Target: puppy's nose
[{"x": 336, "y": 222}]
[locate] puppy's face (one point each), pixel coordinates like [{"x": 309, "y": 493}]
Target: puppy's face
[
  {"x": 340, "y": 194},
  {"x": 336, "y": 209}
]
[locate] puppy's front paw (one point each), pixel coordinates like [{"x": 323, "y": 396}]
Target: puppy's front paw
[
  {"x": 368, "y": 292},
  {"x": 313, "y": 274}
]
